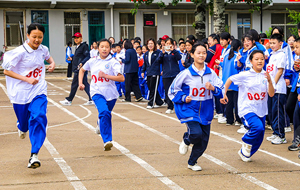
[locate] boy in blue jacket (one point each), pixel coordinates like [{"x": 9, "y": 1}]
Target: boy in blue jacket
[{"x": 192, "y": 92}]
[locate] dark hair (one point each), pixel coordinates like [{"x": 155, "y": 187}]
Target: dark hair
[
  {"x": 277, "y": 37},
  {"x": 181, "y": 43},
  {"x": 215, "y": 37},
  {"x": 225, "y": 36},
  {"x": 196, "y": 45},
  {"x": 104, "y": 40},
  {"x": 297, "y": 40},
  {"x": 112, "y": 38},
  {"x": 69, "y": 43},
  {"x": 280, "y": 30},
  {"x": 292, "y": 35},
  {"x": 190, "y": 42},
  {"x": 181, "y": 39},
  {"x": 35, "y": 26},
  {"x": 191, "y": 37},
  {"x": 298, "y": 25},
  {"x": 171, "y": 40},
  {"x": 232, "y": 38},
  {"x": 158, "y": 43},
  {"x": 119, "y": 45},
  {"x": 204, "y": 40},
  {"x": 139, "y": 47},
  {"x": 137, "y": 39},
  {"x": 128, "y": 45},
  {"x": 263, "y": 35},
  {"x": 151, "y": 39},
  {"x": 254, "y": 34},
  {"x": 255, "y": 52},
  {"x": 114, "y": 46},
  {"x": 249, "y": 37},
  {"x": 137, "y": 42},
  {"x": 235, "y": 45}
]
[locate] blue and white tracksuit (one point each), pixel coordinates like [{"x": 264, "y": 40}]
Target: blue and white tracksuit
[
  {"x": 244, "y": 60},
  {"x": 197, "y": 114}
]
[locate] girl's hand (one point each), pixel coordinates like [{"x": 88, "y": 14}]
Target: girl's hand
[
  {"x": 143, "y": 75},
  {"x": 188, "y": 99},
  {"x": 102, "y": 74},
  {"x": 81, "y": 87},
  {"x": 224, "y": 100},
  {"x": 268, "y": 77},
  {"x": 299, "y": 97},
  {"x": 171, "y": 47},
  {"x": 32, "y": 81},
  {"x": 217, "y": 61},
  {"x": 287, "y": 82},
  {"x": 216, "y": 66},
  {"x": 209, "y": 86},
  {"x": 51, "y": 67},
  {"x": 239, "y": 64}
]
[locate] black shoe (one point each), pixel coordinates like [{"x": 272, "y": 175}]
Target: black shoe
[
  {"x": 140, "y": 99},
  {"x": 294, "y": 147}
]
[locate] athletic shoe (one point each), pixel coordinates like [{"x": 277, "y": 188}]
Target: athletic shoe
[
  {"x": 183, "y": 148},
  {"x": 149, "y": 107},
  {"x": 163, "y": 105},
  {"x": 195, "y": 167},
  {"x": 237, "y": 123},
  {"x": 269, "y": 127},
  {"x": 123, "y": 100},
  {"x": 244, "y": 158},
  {"x": 271, "y": 137},
  {"x": 108, "y": 145},
  {"x": 169, "y": 111},
  {"x": 279, "y": 140},
  {"x": 287, "y": 129},
  {"x": 88, "y": 103},
  {"x": 140, "y": 99},
  {"x": 218, "y": 115},
  {"x": 97, "y": 130},
  {"x": 242, "y": 130},
  {"x": 69, "y": 78},
  {"x": 246, "y": 149},
  {"x": 65, "y": 102},
  {"x": 294, "y": 147},
  {"x": 227, "y": 124},
  {"x": 222, "y": 120},
  {"x": 120, "y": 97},
  {"x": 34, "y": 162},
  {"x": 22, "y": 134}
]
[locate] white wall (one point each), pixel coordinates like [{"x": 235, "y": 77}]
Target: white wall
[
  {"x": 233, "y": 24},
  {"x": 164, "y": 24},
  {"x": 2, "y": 40}
]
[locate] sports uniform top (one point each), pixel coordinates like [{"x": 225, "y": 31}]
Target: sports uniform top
[
  {"x": 99, "y": 85},
  {"x": 27, "y": 62},
  {"x": 253, "y": 92},
  {"x": 94, "y": 53},
  {"x": 277, "y": 60},
  {"x": 191, "y": 82}
]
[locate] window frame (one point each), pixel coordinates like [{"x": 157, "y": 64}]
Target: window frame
[
  {"x": 243, "y": 25},
  {"x": 284, "y": 25},
  {"x": 179, "y": 25},
  {"x": 80, "y": 26},
  {"x": 126, "y": 25}
]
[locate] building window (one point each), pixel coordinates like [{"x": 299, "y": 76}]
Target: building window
[
  {"x": 282, "y": 20},
  {"x": 96, "y": 26},
  {"x": 72, "y": 25},
  {"x": 182, "y": 25},
  {"x": 13, "y": 31},
  {"x": 244, "y": 24},
  {"x": 42, "y": 18},
  {"x": 127, "y": 24}
]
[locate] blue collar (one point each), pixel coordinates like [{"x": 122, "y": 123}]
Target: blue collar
[{"x": 194, "y": 73}]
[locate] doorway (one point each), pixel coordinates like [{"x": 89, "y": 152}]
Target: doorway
[{"x": 150, "y": 28}]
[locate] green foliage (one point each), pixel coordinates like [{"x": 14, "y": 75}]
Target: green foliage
[
  {"x": 295, "y": 17},
  {"x": 268, "y": 32},
  {"x": 226, "y": 28}
]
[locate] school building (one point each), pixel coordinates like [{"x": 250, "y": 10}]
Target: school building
[{"x": 97, "y": 19}]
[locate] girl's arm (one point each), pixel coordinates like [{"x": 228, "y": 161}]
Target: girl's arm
[
  {"x": 80, "y": 77},
  {"x": 224, "y": 100},
  {"x": 118, "y": 78},
  {"x": 271, "y": 90},
  {"x": 278, "y": 75},
  {"x": 20, "y": 77},
  {"x": 51, "y": 67}
]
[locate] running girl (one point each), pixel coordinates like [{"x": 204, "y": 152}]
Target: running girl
[
  {"x": 192, "y": 92},
  {"x": 27, "y": 89},
  {"x": 254, "y": 85},
  {"x": 105, "y": 70}
]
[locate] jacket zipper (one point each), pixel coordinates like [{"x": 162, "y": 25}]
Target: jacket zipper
[{"x": 200, "y": 111}]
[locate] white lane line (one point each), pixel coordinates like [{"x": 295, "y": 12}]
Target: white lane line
[
  {"x": 223, "y": 136},
  {"x": 125, "y": 151},
  {"x": 4, "y": 89},
  {"x": 74, "y": 180},
  {"x": 209, "y": 157},
  {"x": 66, "y": 169}
]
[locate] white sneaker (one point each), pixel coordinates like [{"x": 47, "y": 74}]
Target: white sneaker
[
  {"x": 150, "y": 107},
  {"x": 287, "y": 129},
  {"x": 279, "y": 140},
  {"x": 169, "y": 111},
  {"x": 34, "y": 162},
  {"x": 69, "y": 78},
  {"x": 108, "y": 145},
  {"x": 222, "y": 120},
  {"x": 22, "y": 134},
  {"x": 97, "y": 130},
  {"x": 195, "y": 167},
  {"x": 271, "y": 137},
  {"x": 218, "y": 115},
  {"x": 244, "y": 158},
  {"x": 237, "y": 123},
  {"x": 88, "y": 103},
  {"x": 242, "y": 130},
  {"x": 183, "y": 148},
  {"x": 246, "y": 149},
  {"x": 65, "y": 102}
]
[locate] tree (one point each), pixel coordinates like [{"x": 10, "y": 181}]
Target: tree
[
  {"x": 217, "y": 7},
  {"x": 295, "y": 19}
]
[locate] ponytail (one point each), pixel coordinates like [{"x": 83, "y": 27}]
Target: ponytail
[{"x": 235, "y": 45}]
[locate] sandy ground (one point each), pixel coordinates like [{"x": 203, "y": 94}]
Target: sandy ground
[{"x": 145, "y": 153}]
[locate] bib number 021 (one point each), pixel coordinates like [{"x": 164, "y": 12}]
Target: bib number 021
[{"x": 200, "y": 92}]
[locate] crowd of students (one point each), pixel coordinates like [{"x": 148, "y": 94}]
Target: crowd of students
[{"x": 247, "y": 83}]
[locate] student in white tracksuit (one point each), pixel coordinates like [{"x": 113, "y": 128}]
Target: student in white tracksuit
[
  {"x": 105, "y": 70},
  {"x": 254, "y": 87},
  {"x": 27, "y": 89},
  {"x": 192, "y": 92}
]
